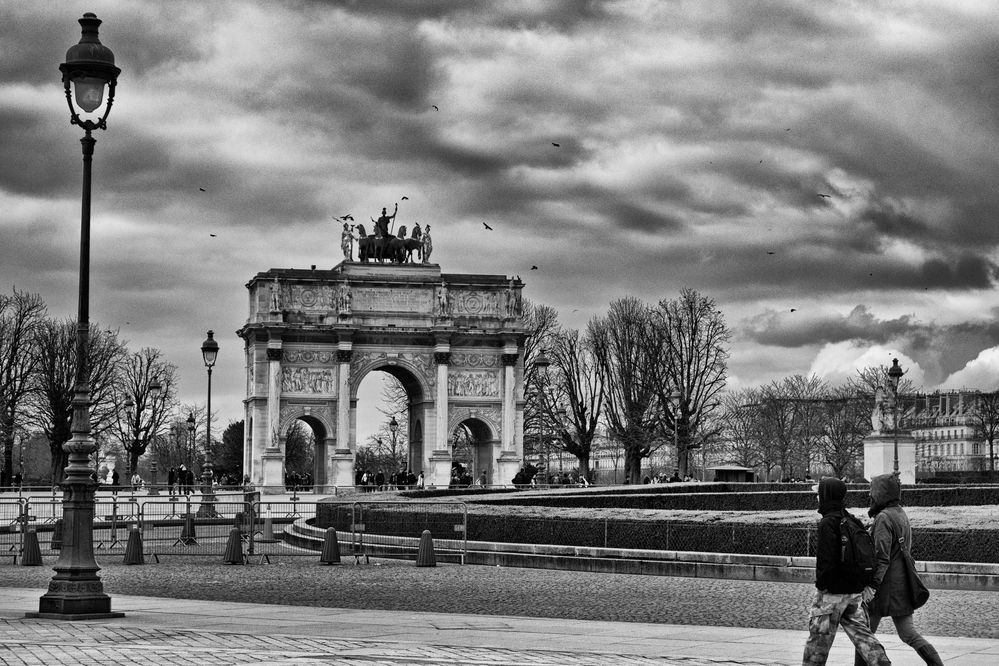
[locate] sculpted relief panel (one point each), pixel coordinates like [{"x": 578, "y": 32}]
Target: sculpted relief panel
[
  {"x": 308, "y": 380},
  {"x": 473, "y": 383}
]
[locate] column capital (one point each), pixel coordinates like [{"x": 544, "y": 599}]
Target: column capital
[
  {"x": 273, "y": 353},
  {"x": 510, "y": 359},
  {"x": 442, "y": 358},
  {"x": 344, "y": 355}
]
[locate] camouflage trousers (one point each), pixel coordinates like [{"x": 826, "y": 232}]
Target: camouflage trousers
[{"x": 827, "y": 613}]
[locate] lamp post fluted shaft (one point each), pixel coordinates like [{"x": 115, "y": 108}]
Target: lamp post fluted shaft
[
  {"x": 209, "y": 352},
  {"x": 76, "y": 591}
]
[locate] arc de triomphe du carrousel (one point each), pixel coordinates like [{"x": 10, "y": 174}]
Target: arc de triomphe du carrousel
[{"x": 454, "y": 341}]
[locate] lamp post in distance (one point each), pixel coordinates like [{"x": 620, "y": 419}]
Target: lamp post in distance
[
  {"x": 209, "y": 353},
  {"x": 542, "y": 363},
  {"x": 76, "y": 591},
  {"x": 894, "y": 374}
]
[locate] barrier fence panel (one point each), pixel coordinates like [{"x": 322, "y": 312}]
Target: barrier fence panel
[
  {"x": 270, "y": 533},
  {"x": 187, "y": 525},
  {"x": 44, "y": 515},
  {"x": 395, "y": 528},
  {"x": 12, "y": 525}
]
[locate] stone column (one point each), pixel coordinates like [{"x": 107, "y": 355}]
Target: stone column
[
  {"x": 440, "y": 458},
  {"x": 508, "y": 463},
  {"x": 273, "y": 456},
  {"x": 341, "y": 468}
]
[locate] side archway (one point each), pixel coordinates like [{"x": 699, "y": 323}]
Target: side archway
[{"x": 481, "y": 426}]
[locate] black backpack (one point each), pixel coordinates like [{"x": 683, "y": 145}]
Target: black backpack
[{"x": 856, "y": 552}]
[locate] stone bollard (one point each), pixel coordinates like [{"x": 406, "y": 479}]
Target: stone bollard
[
  {"x": 425, "y": 557},
  {"x": 268, "y": 536},
  {"x": 56, "y": 543},
  {"x": 32, "y": 554},
  {"x": 133, "y": 550},
  {"x": 331, "y": 548},
  {"x": 234, "y": 548}
]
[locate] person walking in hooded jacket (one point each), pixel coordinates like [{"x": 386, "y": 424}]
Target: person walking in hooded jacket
[
  {"x": 889, "y": 594},
  {"x": 839, "y": 589}
]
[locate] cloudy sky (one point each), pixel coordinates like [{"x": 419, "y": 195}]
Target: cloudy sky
[{"x": 825, "y": 171}]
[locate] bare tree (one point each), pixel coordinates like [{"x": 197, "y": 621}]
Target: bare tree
[
  {"x": 574, "y": 403},
  {"x": 628, "y": 348},
  {"x": 846, "y": 420},
  {"x": 541, "y": 324},
  {"x": 149, "y": 414},
  {"x": 985, "y": 419},
  {"x": 694, "y": 365},
  {"x": 55, "y": 377},
  {"x": 741, "y": 428},
  {"x": 20, "y": 315}
]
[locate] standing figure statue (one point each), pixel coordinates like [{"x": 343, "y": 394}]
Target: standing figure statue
[
  {"x": 275, "y": 291},
  {"x": 443, "y": 300},
  {"x": 879, "y": 416},
  {"x": 428, "y": 244},
  {"x": 344, "y": 299},
  {"x": 347, "y": 242}
]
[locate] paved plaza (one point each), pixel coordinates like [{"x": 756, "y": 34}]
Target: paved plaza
[{"x": 175, "y": 631}]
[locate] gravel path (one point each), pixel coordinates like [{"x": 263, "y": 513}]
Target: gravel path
[{"x": 399, "y": 585}]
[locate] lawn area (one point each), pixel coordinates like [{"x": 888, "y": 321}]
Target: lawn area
[{"x": 957, "y": 517}]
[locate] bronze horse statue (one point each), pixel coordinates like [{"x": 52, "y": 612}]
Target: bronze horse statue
[{"x": 379, "y": 248}]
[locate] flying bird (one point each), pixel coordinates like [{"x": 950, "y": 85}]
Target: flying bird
[
  {"x": 487, "y": 226},
  {"x": 435, "y": 107},
  {"x": 202, "y": 189},
  {"x": 761, "y": 161},
  {"x": 348, "y": 216},
  {"x": 793, "y": 309},
  {"x": 405, "y": 198},
  {"x": 770, "y": 251},
  {"x": 825, "y": 196},
  {"x": 555, "y": 144}
]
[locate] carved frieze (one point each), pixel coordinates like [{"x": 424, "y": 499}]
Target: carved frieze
[
  {"x": 473, "y": 383},
  {"x": 310, "y": 356},
  {"x": 309, "y": 297},
  {"x": 474, "y": 360}
]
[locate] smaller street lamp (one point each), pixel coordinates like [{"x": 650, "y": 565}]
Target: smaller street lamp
[
  {"x": 674, "y": 400},
  {"x": 542, "y": 362},
  {"x": 209, "y": 352},
  {"x": 155, "y": 389},
  {"x": 894, "y": 374},
  {"x": 190, "y": 448}
]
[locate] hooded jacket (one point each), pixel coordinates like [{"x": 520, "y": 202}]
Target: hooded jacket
[
  {"x": 830, "y": 575},
  {"x": 892, "y": 541}
]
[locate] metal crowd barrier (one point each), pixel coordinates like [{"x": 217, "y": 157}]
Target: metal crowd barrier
[
  {"x": 189, "y": 525},
  {"x": 13, "y": 521}
]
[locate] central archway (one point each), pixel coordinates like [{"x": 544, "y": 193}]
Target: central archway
[{"x": 415, "y": 408}]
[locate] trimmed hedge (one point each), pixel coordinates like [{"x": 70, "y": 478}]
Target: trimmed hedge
[{"x": 931, "y": 544}]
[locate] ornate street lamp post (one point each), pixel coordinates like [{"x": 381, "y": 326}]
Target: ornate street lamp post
[
  {"x": 76, "y": 591},
  {"x": 209, "y": 352},
  {"x": 894, "y": 374}
]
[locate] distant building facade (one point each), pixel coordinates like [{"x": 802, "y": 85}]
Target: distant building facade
[{"x": 947, "y": 439}]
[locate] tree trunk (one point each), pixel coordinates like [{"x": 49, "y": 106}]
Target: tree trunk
[
  {"x": 632, "y": 466},
  {"x": 584, "y": 465}
]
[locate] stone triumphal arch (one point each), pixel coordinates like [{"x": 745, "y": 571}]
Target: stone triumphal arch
[{"x": 455, "y": 342}]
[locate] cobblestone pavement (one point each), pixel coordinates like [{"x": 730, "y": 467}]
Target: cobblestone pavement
[
  {"x": 398, "y": 585},
  {"x": 33, "y": 642}
]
